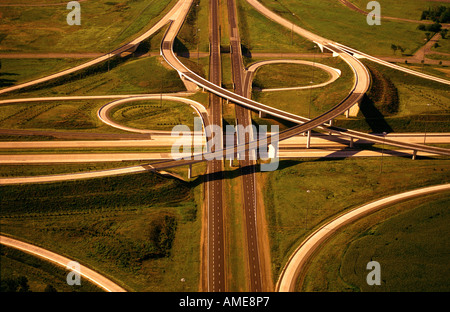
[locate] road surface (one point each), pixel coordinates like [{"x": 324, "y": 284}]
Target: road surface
[{"x": 84, "y": 271}]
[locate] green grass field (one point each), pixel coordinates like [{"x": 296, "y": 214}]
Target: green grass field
[
  {"x": 141, "y": 230},
  {"x": 154, "y": 115},
  {"x": 332, "y": 20},
  {"x": 15, "y": 71},
  {"x": 410, "y": 241},
  {"x": 259, "y": 34},
  {"x": 288, "y": 75},
  {"x": 105, "y": 25},
  {"x": 293, "y": 212},
  {"x": 413, "y": 114},
  {"x": 310, "y": 102},
  {"x": 402, "y": 9}
]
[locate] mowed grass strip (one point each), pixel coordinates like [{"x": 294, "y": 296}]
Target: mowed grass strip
[
  {"x": 409, "y": 240},
  {"x": 141, "y": 230},
  {"x": 302, "y": 194}
]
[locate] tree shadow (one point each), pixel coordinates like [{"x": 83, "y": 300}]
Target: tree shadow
[
  {"x": 374, "y": 117},
  {"x": 4, "y": 82}
]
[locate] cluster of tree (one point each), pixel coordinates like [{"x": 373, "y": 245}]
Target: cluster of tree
[
  {"x": 20, "y": 284},
  {"x": 435, "y": 27},
  {"x": 397, "y": 47},
  {"x": 439, "y": 14}
]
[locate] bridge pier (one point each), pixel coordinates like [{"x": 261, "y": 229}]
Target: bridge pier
[
  {"x": 331, "y": 124},
  {"x": 351, "y": 143},
  {"x": 189, "y": 172},
  {"x": 414, "y": 155},
  {"x": 308, "y": 140},
  {"x": 262, "y": 114}
]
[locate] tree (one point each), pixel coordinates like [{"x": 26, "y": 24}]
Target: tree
[
  {"x": 443, "y": 34},
  {"x": 436, "y": 45},
  {"x": 394, "y": 48},
  {"x": 428, "y": 35},
  {"x": 50, "y": 288}
]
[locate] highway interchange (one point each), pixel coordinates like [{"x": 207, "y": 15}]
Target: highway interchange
[{"x": 241, "y": 97}]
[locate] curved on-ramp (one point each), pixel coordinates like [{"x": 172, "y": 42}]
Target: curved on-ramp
[
  {"x": 103, "y": 112},
  {"x": 299, "y": 259},
  {"x": 62, "y": 261},
  {"x": 334, "y": 73}
]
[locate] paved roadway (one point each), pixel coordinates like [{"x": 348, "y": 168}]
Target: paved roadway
[
  {"x": 104, "y": 112},
  {"x": 317, "y": 141},
  {"x": 288, "y": 278},
  {"x": 214, "y": 177},
  {"x": 247, "y": 165},
  {"x": 85, "y": 272},
  {"x": 327, "y": 43}
]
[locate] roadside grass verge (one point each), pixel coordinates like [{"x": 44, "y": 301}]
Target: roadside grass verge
[
  {"x": 21, "y": 170},
  {"x": 410, "y": 241},
  {"x": 141, "y": 230},
  {"x": 16, "y": 71},
  {"x": 194, "y": 34},
  {"x": 302, "y": 194}
]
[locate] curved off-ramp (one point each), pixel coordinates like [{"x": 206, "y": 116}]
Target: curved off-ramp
[
  {"x": 299, "y": 259},
  {"x": 103, "y": 112},
  {"x": 251, "y": 71},
  {"x": 62, "y": 261}
]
